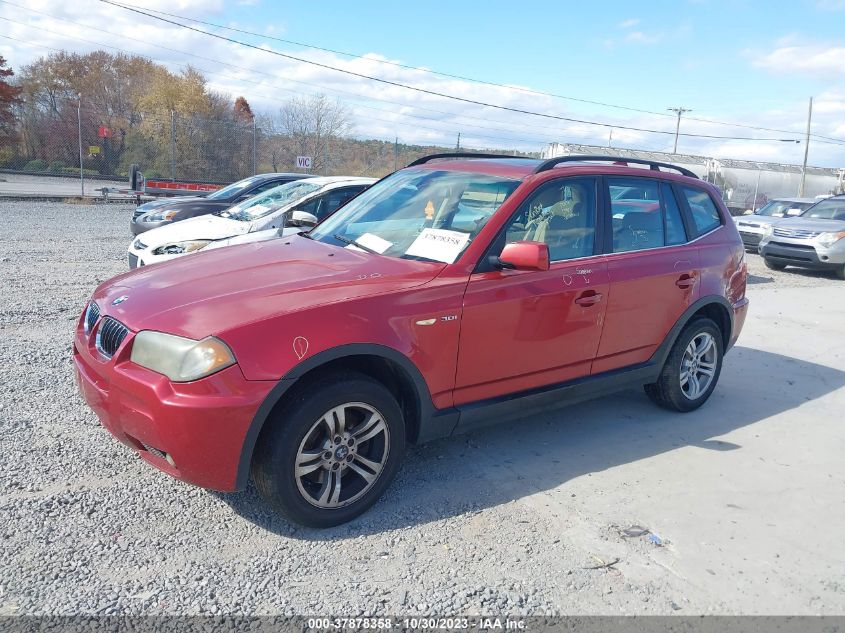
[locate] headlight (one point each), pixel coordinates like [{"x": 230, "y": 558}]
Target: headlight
[
  {"x": 768, "y": 229},
  {"x": 829, "y": 239},
  {"x": 178, "y": 248},
  {"x": 180, "y": 359},
  {"x": 159, "y": 216}
]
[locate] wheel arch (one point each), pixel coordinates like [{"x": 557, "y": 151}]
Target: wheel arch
[
  {"x": 390, "y": 367},
  {"x": 714, "y": 307}
]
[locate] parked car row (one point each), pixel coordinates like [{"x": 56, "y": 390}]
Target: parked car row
[
  {"x": 278, "y": 210},
  {"x": 459, "y": 291},
  {"x": 801, "y": 232}
]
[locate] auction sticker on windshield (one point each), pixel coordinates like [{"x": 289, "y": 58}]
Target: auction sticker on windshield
[{"x": 439, "y": 244}]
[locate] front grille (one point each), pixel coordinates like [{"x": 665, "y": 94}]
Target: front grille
[
  {"x": 155, "y": 451},
  {"x": 109, "y": 336},
  {"x": 133, "y": 260},
  {"x": 799, "y": 234},
  {"x": 794, "y": 247},
  {"x": 92, "y": 313}
]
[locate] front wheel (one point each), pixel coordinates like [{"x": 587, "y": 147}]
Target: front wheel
[
  {"x": 692, "y": 369},
  {"x": 331, "y": 452}
]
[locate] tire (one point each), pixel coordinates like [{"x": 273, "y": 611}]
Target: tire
[
  {"x": 298, "y": 432},
  {"x": 670, "y": 391},
  {"x": 840, "y": 272},
  {"x": 772, "y": 265}
]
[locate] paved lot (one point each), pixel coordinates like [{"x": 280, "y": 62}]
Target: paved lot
[{"x": 747, "y": 495}]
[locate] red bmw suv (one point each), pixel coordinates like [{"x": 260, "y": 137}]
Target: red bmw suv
[{"x": 458, "y": 291}]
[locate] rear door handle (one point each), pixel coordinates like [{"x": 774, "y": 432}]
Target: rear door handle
[
  {"x": 589, "y": 299},
  {"x": 685, "y": 281}
]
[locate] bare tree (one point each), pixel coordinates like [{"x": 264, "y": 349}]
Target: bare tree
[{"x": 311, "y": 125}]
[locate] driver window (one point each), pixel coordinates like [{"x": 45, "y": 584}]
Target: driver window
[{"x": 561, "y": 213}]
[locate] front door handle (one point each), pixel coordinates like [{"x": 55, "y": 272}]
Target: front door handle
[
  {"x": 685, "y": 281},
  {"x": 589, "y": 299}
]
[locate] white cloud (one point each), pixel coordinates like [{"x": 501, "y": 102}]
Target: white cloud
[
  {"x": 638, "y": 37},
  {"x": 629, "y": 23},
  {"x": 819, "y": 59}
]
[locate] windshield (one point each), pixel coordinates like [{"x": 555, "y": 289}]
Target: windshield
[
  {"x": 229, "y": 191},
  {"x": 418, "y": 214},
  {"x": 780, "y": 208},
  {"x": 832, "y": 209},
  {"x": 270, "y": 201}
]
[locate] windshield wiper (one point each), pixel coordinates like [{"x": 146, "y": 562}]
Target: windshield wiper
[{"x": 346, "y": 240}]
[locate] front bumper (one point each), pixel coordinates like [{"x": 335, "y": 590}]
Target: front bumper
[
  {"x": 803, "y": 254},
  {"x": 193, "y": 431}
]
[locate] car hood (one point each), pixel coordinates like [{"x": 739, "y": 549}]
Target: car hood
[
  {"x": 257, "y": 236},
  {"x": 209, "y": 293},
  {"x": 757, "y": 220},
  {"x": 157, "y": 204},
  {"x": 204, "y": 227},
  {"x": 812, "y": 224}
]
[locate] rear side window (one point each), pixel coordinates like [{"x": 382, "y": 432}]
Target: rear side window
[
  {"x": 644, "y": 215},
  {"x": 704, "y": 213}
]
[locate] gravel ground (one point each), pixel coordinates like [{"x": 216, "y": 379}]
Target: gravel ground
[{"x": 747, "y": 508}]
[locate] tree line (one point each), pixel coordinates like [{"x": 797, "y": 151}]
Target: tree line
[{"x": 130, "y": 110}]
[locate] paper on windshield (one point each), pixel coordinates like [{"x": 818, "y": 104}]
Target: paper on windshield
[
  {"x": 371, "y": 241},
  {"x": 439, "y": 244},
  {"x": 257, "y": 208}
]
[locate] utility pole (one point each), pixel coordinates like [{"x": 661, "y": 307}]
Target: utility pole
[
  {"x": 173, "y": 145},
  {"x": 395, "y": 153},
  {"x": 79, "y": 128},
  {"x": 254, "y": 148},
  {"x": 458, "y": 146},
  {"x": 610, "y": 138},
  {"x": 806, "y": 150},
  {"x": 679, "y": 112}
]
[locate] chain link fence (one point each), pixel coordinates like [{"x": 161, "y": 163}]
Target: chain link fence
[{"x": 58, "y": 141}]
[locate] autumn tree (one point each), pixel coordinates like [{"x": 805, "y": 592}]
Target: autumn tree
[
  {"x": 242, "y": 111},
  {"x": 9, "y": 98}
]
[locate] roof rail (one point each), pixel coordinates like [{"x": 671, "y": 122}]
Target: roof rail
[
  {"x": 653, "y": 165},
  {"x": 431, "y": 157}
]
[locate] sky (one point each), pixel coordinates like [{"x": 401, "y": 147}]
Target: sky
[{"x": 740, "y": 62}]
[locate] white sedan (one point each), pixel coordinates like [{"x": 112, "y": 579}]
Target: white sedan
[{"x": 297, "y": 205}]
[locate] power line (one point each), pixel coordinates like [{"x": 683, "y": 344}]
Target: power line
[
  {"x": 424, "y": 90},
  {"x": 451, "y": 114},
  {"x": 444, "y": 132},
  {"x": 462, "y": 77}
]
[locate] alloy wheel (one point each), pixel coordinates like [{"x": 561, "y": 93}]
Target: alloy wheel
[
  {"x": 698, "y": 365},
  {"x": 342, "y": 455}
]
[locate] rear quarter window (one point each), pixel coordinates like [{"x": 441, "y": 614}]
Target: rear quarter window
[{"x": 705, "y": 214}]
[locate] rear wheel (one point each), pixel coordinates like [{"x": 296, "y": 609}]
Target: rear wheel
[
  {"x": 331, "y": 451},
  {"x": 772, "y": 265},
  {"x": 692, "y": 368},
  {"x": 840, "y": 272}
]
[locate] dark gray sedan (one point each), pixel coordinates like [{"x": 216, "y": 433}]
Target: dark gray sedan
[{"x": 158, "y": 213}]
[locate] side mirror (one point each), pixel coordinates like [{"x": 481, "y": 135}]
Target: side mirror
[
  {"x": 302, "y": 218},
  {"x": 525, "y": 256}
]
